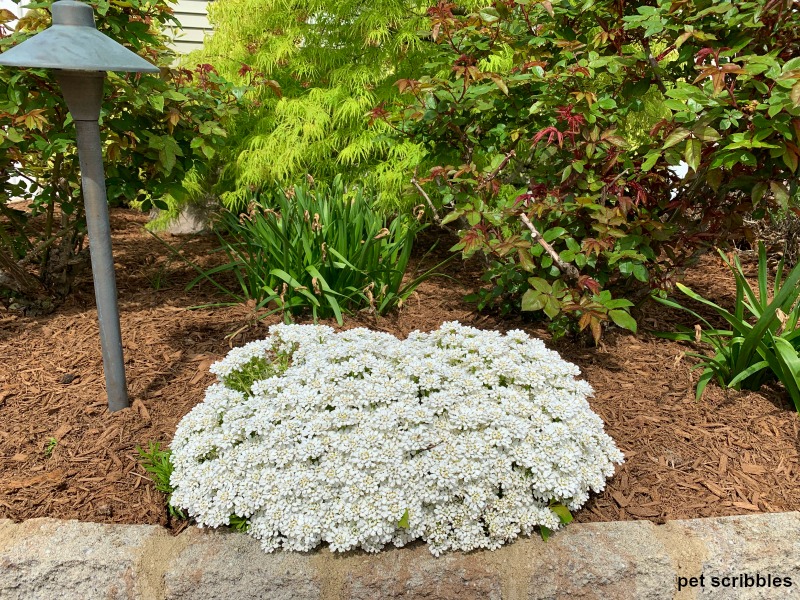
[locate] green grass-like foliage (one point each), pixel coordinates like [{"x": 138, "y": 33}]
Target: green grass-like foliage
[
  {"x": 157, "y": 462},
  {"x": 763, "y": 343},
  {"x": 319, "y": 249}
]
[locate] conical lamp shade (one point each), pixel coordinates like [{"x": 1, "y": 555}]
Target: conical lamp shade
[{"x": 73, "y": 43}]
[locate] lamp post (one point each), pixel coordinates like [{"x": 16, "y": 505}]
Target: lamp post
[{"x": 80, "y": 56}]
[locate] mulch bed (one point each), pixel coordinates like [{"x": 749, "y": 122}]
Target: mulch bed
[{"x": 731, "y": 453}]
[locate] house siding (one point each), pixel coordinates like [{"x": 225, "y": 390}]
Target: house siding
[{"x": 193, "y": 17}]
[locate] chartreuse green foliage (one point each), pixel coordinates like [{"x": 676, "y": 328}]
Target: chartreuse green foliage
[
  {"x": 158, "y": 463},
  {"x": 763, "y": 342},
  {"x": 319, "y": 72},
  {"x": 322, "y": 249},
  {"x": 157, "y": 130},
  {"x": 574, "y": 113}
]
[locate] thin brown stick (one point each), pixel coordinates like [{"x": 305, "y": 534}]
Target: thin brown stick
[
  {"x": 142, "y": 476},
  {"x": 424, "y": 194},
  {"x": 653, "y": 66},
  {"x": 509, "y": 155},
  {"x": 570, "y": 271}
]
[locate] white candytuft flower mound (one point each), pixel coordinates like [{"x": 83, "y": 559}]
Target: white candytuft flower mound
[{"x": 460, "y": 437}]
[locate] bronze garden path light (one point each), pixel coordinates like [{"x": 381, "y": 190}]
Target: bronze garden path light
[{"x": 80, "y": 56}]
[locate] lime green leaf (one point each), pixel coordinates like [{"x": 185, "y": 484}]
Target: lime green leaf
[
  {"x": 13, "y": 135},
  {"x": 554, "y": 233},
  {"x": 452, "y": 216},
  {"x": 676, "y": 137},
  {"x": 562, "y": 512},
  {"x": 403, "y": 523},
  {"x": 640, "y": 272},
  {"x": 552, "y": 307},
  {"x": 540, "y": 284},
  {"x": 533, "y": 300},
  {"x": 694, "y": 148},
  {"x": 623, "y": 319},
  {"x": 706, "y": 133},
  {"x": 157, "y": 102},
  {"x": 650, "y": 160},
  {"x": 489, "y": 15}
]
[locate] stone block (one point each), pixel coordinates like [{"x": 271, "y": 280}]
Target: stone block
[
  {"x": 232, "y": 566},
  {"x": 608, "y": 561},
  {"x": 744, "y": 547},
  {"x": 42, "y": 559},
  {"x": 414, "y": 574}
]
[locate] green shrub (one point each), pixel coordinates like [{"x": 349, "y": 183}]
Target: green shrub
[
  {"x": 319, "y": 249},
  {"x": 156, "y": 128},
  {"x": 574, "y": 114},
  {"x": 763, "y": 342}
]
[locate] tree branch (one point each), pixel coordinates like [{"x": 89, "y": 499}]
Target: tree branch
[
  {"x": 509, "y": 155},
  {"x": 654, "y": 66},
  {"x": 424, "y": 194},
  {"x": 567, "y": 269}
]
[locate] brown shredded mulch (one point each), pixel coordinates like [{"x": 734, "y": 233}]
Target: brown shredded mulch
[{"x": 63, "y": 455}]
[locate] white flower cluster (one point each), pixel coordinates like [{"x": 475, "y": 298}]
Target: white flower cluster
[{"x": 460, "y": 437}]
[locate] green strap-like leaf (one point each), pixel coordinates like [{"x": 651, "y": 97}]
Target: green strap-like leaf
[
  {"x": 762, "y": 273},
  {"x": 752, "y": 369},
  {"x": 672, "y": 304},
  {"x": 790, "y": 377},
  {"x": 754, "y": 338},
  {"x": 738, "y": 325},
  {"x": 702, "y": 383}
]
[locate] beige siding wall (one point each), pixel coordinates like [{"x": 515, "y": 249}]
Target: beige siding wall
[{"x": 192, "y": 15}]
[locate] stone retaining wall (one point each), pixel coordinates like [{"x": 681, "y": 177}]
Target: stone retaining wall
[{"x": 48, "y": 559}]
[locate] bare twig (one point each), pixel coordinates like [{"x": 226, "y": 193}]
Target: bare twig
[
  {"x": 570, "y": 271},
  {"x": 141, "y": 476},
  {"x": 424, "y": 194},
  {"x": 509, "y": 155},
  {"x": 654, "y": 66},
  {"x": 612, "y": 182}
]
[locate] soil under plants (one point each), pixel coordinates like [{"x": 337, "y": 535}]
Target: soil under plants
[{"x": 63, "y": 455}]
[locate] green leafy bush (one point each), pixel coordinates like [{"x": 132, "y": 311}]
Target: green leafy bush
[
  {"x": 157, "y": 129},
  {"x": 575, "y": 114},
  {"x": 320, "y": 249},
  {"x": 763, "y": 343}
]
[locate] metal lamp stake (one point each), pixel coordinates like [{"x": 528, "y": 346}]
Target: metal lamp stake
[{"x": 81, "y": 55}]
